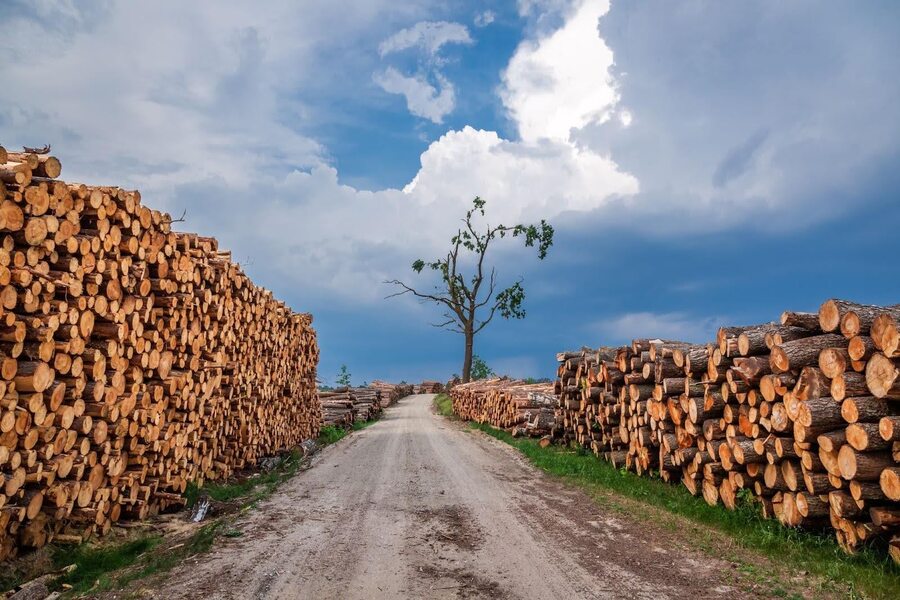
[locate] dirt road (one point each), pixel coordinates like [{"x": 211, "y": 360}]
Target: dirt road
[{"x": 420, "y": 507}]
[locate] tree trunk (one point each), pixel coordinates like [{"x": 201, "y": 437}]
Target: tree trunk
[{"x": 467, "y": 360}]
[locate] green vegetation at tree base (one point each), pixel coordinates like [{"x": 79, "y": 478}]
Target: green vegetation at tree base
[
  {"x": 480, "y": 369},
  {"x": 443, "y": 405},
  {"x": 868, "y": 574}
]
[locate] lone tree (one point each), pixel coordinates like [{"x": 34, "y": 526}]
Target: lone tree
[
  {"x": 343, "y": 378},
  {"x": 469, "y": 304}
]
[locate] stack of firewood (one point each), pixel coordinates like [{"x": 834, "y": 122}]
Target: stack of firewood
[
  {"x": 133, "y": 360},
  {"x": 366, "y": 403},
  {"x": 337, "y": 407},
  {"x": 522, "y": 408},
  {"x": 343, "y": 406},
  {"x": 430, "y": 387},
  {"x": 391, "y": 392},
  {"x": 804, "y": 413}
]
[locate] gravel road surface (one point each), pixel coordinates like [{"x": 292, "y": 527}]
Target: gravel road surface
[{"x": 417, "y": 506}]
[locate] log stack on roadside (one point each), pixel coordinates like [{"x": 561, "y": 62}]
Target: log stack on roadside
[
  {"x": 803, "y": 413},
  {"x": 430, "y": 387},
  {"x": 344, "y": 406},
  {"x": 366, "y": 403},
  {"x": 337, "y": 408},
  {"x": 134, "y": 360},
  {"x": 519, "y": 407},
  {"x": 392, "y": 392}
]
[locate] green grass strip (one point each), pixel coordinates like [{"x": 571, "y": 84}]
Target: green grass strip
[
  {"x": 868, "y": 574},
  {"x": 443, "y": 404}
]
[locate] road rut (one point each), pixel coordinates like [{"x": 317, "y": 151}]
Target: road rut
[{"x": 417, "y": 506}]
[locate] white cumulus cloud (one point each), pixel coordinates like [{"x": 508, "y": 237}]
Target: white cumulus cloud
[
  {"x": 561, "y": 81},
  {"x": 521, "y": 181}
]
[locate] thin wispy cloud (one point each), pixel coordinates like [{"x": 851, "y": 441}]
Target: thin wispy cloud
[
  {"x": 483, "y": 19},
  {"x": 428, "y": 36}
]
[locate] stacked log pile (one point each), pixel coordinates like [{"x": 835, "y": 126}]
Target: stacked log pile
[
  {"x": 366, "y": 403},
  {"x": 804, "y": 413},
  {"x": 430, "y": 387},
  {"x": 391, "y": 392},
  {"x": 134, "y": 360},
  {"x": 344, "y": 406},
  {"x": 522, "y": 408},
  {"x": 337, "y": 408}
]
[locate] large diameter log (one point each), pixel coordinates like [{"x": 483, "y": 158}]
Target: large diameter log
[
  {"x": 885, "y": 333},
  {"x": 801, "y": 353},
  {"x": 881, "y": 377},
  {"x": 820, "y": 413},
  {"x": 866, "y": 437},
  {"x": 862, "y": 466},
  {"x": 33, "y": 376},
  {"x": 889, "y": 428},
  {"x": 753, "y": 339},
  {"x": 889, "y": 480},
  {"x": 866, "y": 409},
  {"x": 860, "y": 347},
  {"x": 849, "y": 384},
  {"x": 832, "y": 311},
  {"x": 833, "y": 361},
  {"x": 859, "y": 320}
]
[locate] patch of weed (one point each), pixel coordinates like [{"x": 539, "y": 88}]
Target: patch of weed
[
  {"x": 331, "y": 434},
  {"x": 443, "y": 405},
  {"x": 360, "y": 425},
  {"x": 93, "y": 564}
]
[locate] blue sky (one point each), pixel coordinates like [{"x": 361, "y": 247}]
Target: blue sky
[{"x": 703, "y": 162}]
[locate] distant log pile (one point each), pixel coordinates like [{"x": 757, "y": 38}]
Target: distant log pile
[
  {"x": 337, "y": 408},
  {"x": 391, "y": 392},
  {"x": 366, "y": 404},
  {"x": 522, "y": 408},
  {"x": 804, "y": 413},
  {"x": 430, "y": 387},
  {"x": 133, "y": 360},
  {"x": 344, "y": 406}
]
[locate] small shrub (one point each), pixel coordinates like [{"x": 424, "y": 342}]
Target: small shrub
[
  {"x": 331, "y": 434},
  {"x": 443, "y": 404}
]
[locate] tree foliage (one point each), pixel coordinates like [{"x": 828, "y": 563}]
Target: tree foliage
[
  {"x": 343, "y": 378},
  {"x": 470, "y": 301},
  {"x": 480, "y": 369}
]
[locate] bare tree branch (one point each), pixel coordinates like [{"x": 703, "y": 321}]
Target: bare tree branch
[
  {"x": 44, "y": 150},
  {"x": 180, "y": 219}
]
